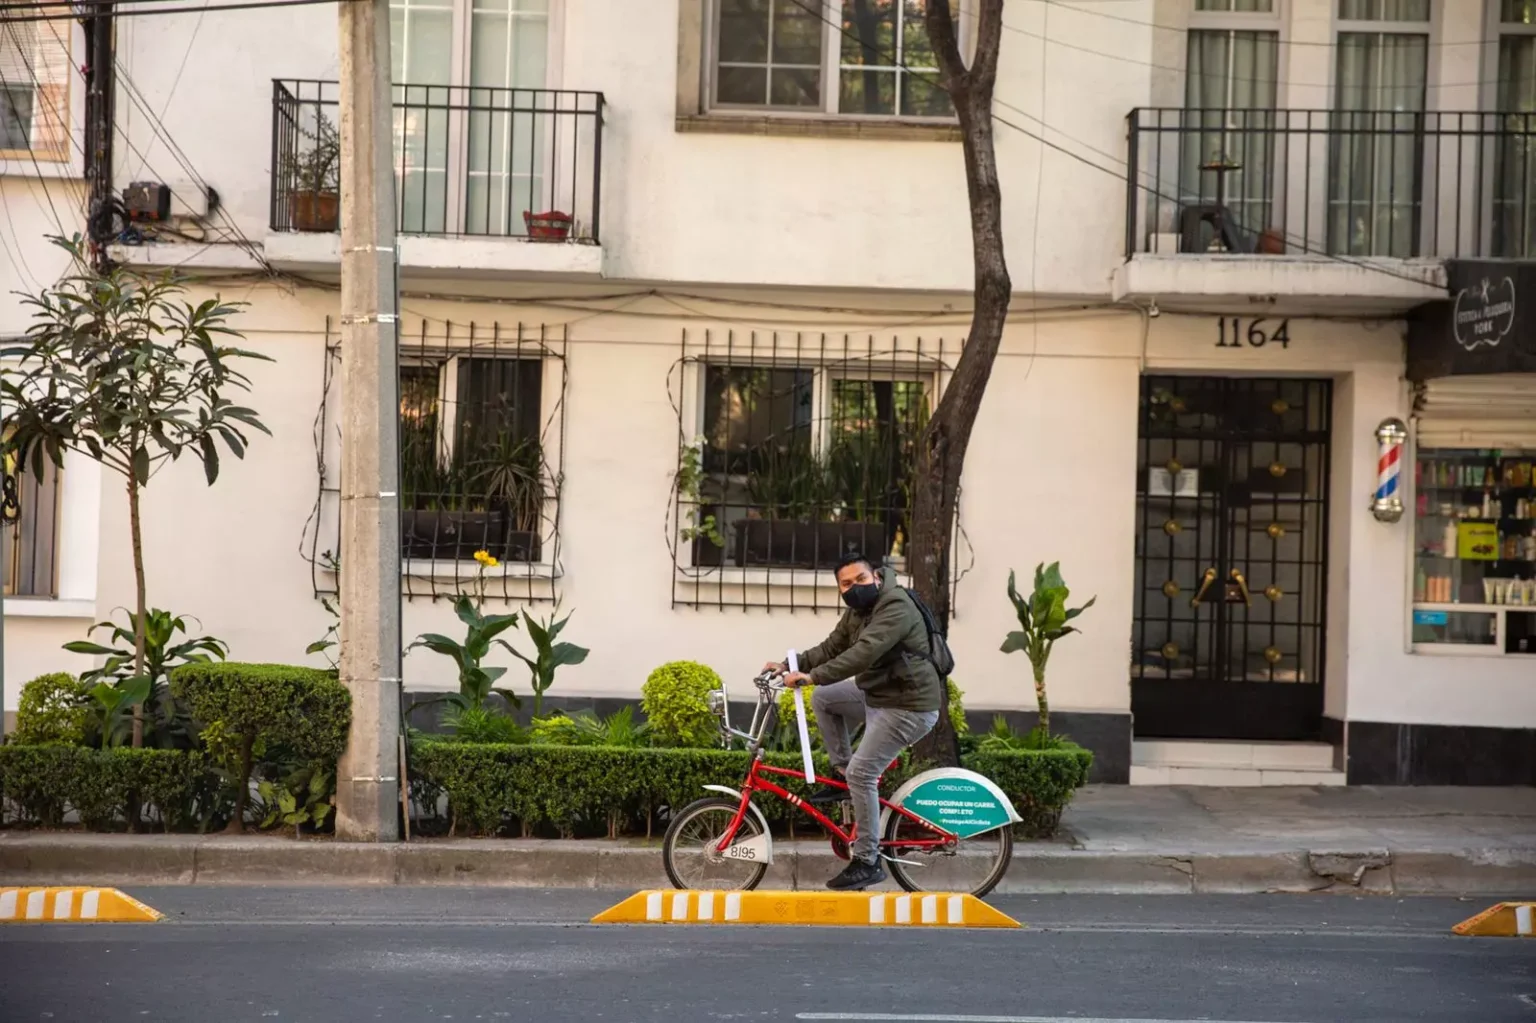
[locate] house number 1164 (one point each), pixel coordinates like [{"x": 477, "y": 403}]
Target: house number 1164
[{"x": 1232, "y": 333}]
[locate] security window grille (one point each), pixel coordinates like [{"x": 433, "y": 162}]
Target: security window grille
[
  {"x": 869, "y": 58},
  {"x": 802, "y": 451},
  {"x": 29, "y": 544},
  {"x": 481, "y": 441}
]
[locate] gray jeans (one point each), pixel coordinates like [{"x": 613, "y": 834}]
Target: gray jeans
[{"x": 887, "y": 732}]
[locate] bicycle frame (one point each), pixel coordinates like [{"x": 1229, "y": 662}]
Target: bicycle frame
[{"x": 756, "y": 782}]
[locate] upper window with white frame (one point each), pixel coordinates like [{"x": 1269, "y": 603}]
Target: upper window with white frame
[
  {"x": 860, "y": 58},
  {"x": 34, "y": 87}
]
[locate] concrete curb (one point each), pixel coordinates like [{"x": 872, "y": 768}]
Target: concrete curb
[{"x": 54, "y": 858}]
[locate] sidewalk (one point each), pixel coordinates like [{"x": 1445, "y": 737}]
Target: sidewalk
[{"x": 1115, "y": 839}]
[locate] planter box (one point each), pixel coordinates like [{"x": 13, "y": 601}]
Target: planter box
[
  {"x": 314, "y": 211},
  {"x": 819, "y": 545},
  {"x": 456, "y": 536}
]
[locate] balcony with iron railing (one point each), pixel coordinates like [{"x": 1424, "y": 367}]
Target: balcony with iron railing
[
  {"x": 1355, "y": 205},
  {"x": 485, "y": 178}
]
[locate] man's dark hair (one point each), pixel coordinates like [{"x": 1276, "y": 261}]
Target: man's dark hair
[{"x": 855, "y": 559}]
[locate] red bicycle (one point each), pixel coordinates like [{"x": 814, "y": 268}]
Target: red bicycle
[{"x": 947, "y": 829}]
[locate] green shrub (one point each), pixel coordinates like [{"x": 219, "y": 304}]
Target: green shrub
[
  {"x": 673, "y": 699},
  {"x": 43, "y": 783},
  {"x": 492, "y": 787},
  {"x": 483, "y": 724},
  {"x": 53, "y": 712},
  {"x": 305, "y": 711},
  {"x": 618, "y": 729},
  {"x": 957, "y": 710},
  {"x": 1039, "y": 782}
]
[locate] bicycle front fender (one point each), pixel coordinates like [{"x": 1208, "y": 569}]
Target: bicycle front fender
[
  {"x": 959, "y": 801},
  {"x": 767, "y": 836}
]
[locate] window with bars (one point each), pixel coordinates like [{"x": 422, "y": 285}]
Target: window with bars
[
  {"x": 481, "y": 461},
  {"x": 34, "y": 87},
  {"x": 802, "y": 451},
  {"x": 869, "y": 58},
  {"x": 29, "y": 536},
  {"x": 1375, "y": 172},
  {"x": 1229, "y": 112},
  {"x": 1514, "y": 185}
]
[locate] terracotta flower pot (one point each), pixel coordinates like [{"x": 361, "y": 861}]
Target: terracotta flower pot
[{"x": 314, "y": 211}]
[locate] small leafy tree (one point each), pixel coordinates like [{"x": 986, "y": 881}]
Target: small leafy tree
[
  {"x": 548, "y": 654},
  {"x": 122, "y": 368},
  {"x": 1043, "y": 619}
]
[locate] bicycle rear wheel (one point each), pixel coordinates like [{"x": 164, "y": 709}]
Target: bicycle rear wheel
[
  {"x": 688, "y": 850},
  {"x": 973, "y": 865}
]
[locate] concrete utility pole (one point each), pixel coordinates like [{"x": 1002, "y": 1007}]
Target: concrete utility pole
[{"x": 368, "y": 777}]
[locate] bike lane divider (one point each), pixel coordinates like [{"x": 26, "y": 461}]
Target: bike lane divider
[
  {"x": 849, "y": 909},
  {"x": 73, "y": 906},
  {"x": 1505, "y": 920}
]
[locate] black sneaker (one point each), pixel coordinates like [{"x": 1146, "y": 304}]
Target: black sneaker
[
  {"x": 826, "y": 795},
  {"x": 857, "y": 876}
]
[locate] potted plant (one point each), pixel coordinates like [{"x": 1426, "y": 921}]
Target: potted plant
[
  {"x": 313, "y": 175},
  {"x": 549, "y": 226},
  {"x": 507, "y": 475},
  {"x": 862, "y": 472},
  {"x": 789, "y": 491}
]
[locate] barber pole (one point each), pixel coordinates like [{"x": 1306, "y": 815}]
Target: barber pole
[{"x": 1387, "y": 503}]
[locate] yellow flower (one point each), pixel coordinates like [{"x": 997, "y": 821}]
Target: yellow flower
[{"x": 485, "y": 558}]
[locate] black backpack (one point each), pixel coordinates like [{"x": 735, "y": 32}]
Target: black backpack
[{"x": 939, "y": 654}]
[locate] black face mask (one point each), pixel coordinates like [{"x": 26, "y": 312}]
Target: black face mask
[{"x": 862, "y": 597}]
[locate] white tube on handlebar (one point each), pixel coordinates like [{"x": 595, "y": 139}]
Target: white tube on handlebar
[{"x": 793, "y": 660}]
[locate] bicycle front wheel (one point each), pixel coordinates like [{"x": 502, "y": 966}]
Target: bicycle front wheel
[
  {"x": 973, "y": 865},
  {"x": 689, "y": 849}
]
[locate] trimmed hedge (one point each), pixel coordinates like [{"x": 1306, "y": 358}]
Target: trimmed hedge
[
  {"x": 43, "y": 783},
  {"x": 492, "y": 786},
  {"x": 53, "y": 711},
  {"x": 306, "y": 710}
]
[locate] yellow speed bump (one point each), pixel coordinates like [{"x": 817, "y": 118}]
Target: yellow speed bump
[
  {"x": 855, "y": 909},
  {"x": 1506, "y": 920},
  {"x": 71, "y": 905}
]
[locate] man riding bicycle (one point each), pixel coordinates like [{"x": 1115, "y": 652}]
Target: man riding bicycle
[{"x": 874, "y": 668}]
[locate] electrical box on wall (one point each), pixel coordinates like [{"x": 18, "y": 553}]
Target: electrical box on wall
[
  {"x": 189, "y": 199},
  {"x": 147, "y": 201}
]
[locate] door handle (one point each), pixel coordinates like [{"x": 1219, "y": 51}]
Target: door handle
[
  {"x": 1242, "y": 584},
  {"x": 1205, "y": 584}
]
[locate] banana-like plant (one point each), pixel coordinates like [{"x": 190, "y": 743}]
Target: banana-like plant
[
  {"x": 1043, "y": 618},
  {"x": 548, "y": 654}
]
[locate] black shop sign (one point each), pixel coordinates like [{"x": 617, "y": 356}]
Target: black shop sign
[{"x": 1486, "y": 326}]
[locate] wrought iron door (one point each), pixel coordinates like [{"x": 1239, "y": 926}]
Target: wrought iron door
[{"x": 1231, "y": 558}]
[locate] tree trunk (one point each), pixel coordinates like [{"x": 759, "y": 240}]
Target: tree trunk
[
  {"x": 137, "y": 535},
  {"x": 243, "y": 786},
  {"x": 942, "y": 447},
  {"x": 1041, "y": 701}
]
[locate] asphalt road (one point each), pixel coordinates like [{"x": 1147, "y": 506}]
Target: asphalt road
[{"x": 232, "y": 955}]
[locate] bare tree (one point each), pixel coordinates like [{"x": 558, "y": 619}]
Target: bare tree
[{"x": 941, "y": 450}]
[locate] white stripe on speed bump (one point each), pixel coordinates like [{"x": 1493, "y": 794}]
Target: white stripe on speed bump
[
  {"x": 680, "y": 906},
  {"x": 733, "y": 906},
  {"x": 653, "y": 906},
  {"x": 706, "y": 905},
  {"x": 35, "y": 902},
  {"x": 877, "y": 909},
  {"x": 957, "y": 909},
  {"x": 8, "y": 905},
  {"x": 1523, "y": 921},
  {"x": 90, "y": 904},
  {"x": 62, "y": 904}
]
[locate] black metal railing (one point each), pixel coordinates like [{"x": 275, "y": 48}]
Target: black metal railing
[
  {"x": 1350, "y": 183},
  {"x": 469, "y": 161},
  {"x": 796, "y": 449}
]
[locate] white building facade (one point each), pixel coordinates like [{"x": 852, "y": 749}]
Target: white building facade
[{"x": 681, "y": 280}]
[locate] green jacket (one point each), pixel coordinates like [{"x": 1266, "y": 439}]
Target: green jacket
[{"x": 885, "y": 649}]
